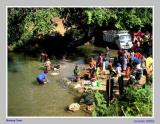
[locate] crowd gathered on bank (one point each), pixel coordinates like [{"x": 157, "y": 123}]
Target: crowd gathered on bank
[{"x": 132, "y": 63}]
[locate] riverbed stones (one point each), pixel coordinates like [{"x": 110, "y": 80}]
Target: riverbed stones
[
  {"x": 74, "y": 107},
  {"x": 90, "y": 108},
  {"x": 87, "y": 108},
  {"x": 76, "y": 86}
]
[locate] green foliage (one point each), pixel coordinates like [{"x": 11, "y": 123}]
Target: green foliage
[
  {"x": 101, "y": 108},
  {"x": 40, "y": 21},
  {"x": 99, "y": 16},
  {"x": 25, "y": 24},
  {"x": 120, "y": 18},
  {"x": 15, "y": 18},
  {"x": 28, "y": 23},
  {"x": 137, "y": 102}
]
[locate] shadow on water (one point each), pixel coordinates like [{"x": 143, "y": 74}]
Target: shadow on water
[{"x": 54, "y": 44}]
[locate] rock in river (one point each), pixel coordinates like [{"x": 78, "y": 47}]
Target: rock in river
[{"x": 74, "y": 107}]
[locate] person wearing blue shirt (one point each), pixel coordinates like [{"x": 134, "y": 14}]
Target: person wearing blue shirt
[
  {"x": 42, "y": 77},
  {"x": 135, "y": 60}
]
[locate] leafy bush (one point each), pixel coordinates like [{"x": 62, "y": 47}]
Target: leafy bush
[
  {"x": 137, "y": 102},
  {"x": 101, "y": 108}
]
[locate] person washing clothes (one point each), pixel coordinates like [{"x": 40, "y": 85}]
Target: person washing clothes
[
  {"x": 47, "y": 65},
  {"x": 77, "y": 73},
  {"x": 42, "y": 77}
]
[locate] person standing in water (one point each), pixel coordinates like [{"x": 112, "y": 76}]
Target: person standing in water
[
  {"x": 47, "y": 65},
  {"x": 44, "y": 56}
]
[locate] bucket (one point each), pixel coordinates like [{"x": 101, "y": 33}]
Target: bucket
[
  {"x": 98, "y": 83},
  {"x": 94, "y": 84}
]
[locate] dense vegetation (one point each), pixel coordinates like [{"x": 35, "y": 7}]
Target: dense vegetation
[
  {"x": 136, "y": 102},
  {"x": 27, "y": 25}
]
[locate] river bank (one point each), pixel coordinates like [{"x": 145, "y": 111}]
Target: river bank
[{"x": 27, "y": 98}]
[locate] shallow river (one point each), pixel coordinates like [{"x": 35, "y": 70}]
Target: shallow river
[{"x": 27, "y": 98}]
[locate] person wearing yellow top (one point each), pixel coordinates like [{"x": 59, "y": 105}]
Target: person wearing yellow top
[
  {"x": 149, "y": 64},
  {"x": 97, "y": 72}
]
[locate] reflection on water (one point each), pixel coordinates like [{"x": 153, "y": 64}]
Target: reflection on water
[{"x": 27, "y": 98}]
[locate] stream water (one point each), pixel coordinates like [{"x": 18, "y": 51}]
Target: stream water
[{"x": 27, "y": 98}]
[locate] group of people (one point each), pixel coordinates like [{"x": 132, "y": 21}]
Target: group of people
[
  {"x": 133, "y": 62},
  {"x": 128, "y": 63},
  {"x": 99, "y": 65},
  {"x": 96, "y": 66},
  {"x": 42, "y": 77},
  {"x": 48, "y": 66},
  {"x": 142, "y": 41}
]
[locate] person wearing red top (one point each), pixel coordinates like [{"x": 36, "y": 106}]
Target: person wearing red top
[{"x": 138, "y": 55}]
